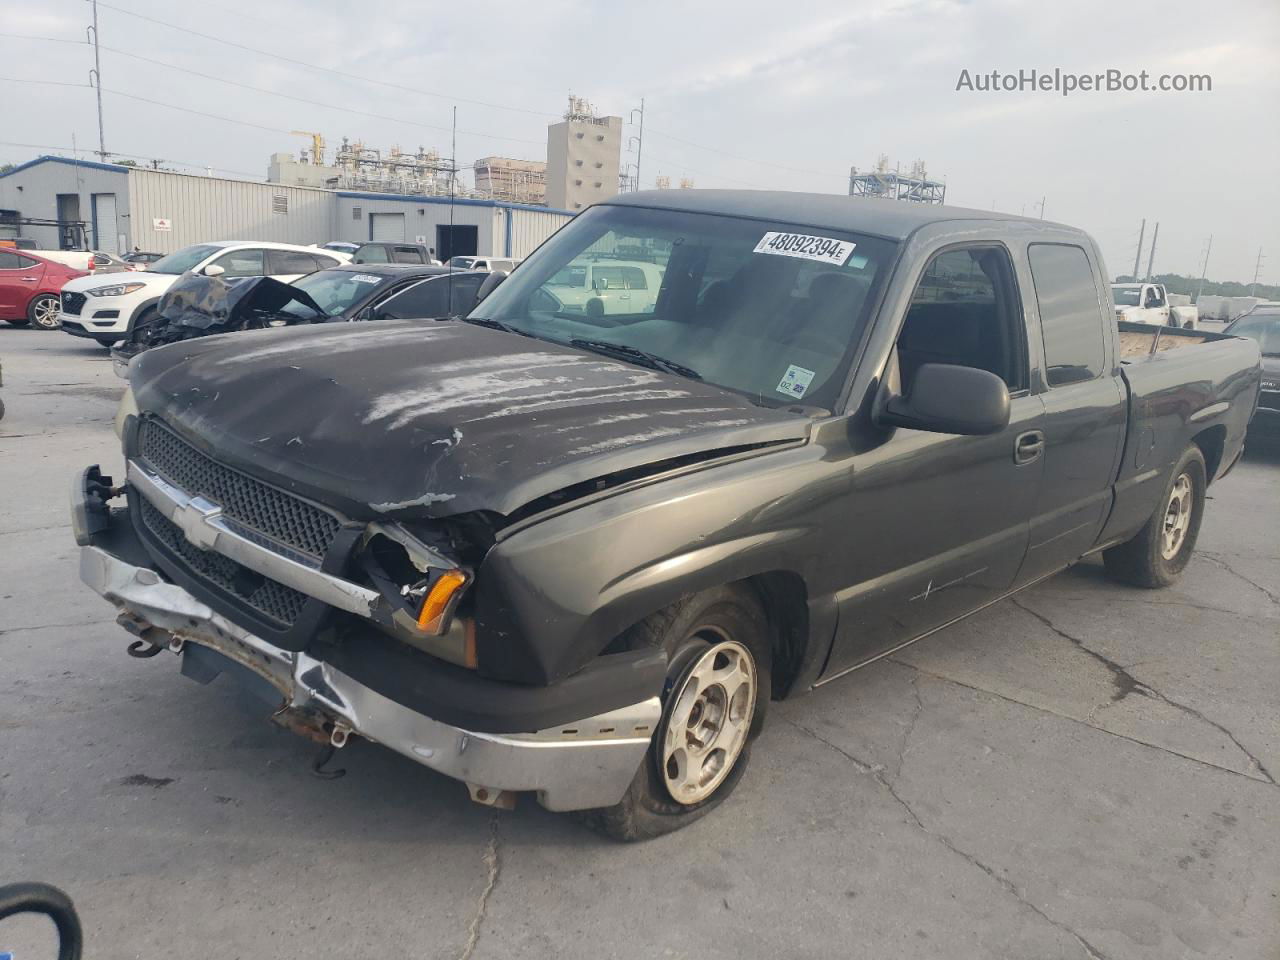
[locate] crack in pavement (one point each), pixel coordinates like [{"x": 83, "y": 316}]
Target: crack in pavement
[
  {"x": 1126, "y": 683},
  {"x": 911, "y": 726},
  {"x": 492, "y": 866},
  {"x": 1063, "y": 716},
  {"x": 876, "y": 772},
  {"x": 55, "y": 626},
  {"x": 1093, "y": 598},
  {"x": 1217, "y": 561}
]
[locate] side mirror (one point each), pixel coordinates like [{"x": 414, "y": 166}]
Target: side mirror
[
  {"x": 490, "y": 284},
  {"x": 946, "y": 398},
  {"x": 213, "y": 270}
]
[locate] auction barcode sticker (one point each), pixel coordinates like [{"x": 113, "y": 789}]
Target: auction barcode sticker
[{"x": 824, "y": 249}]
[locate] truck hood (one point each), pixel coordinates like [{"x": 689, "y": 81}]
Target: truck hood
[{"x": 432, "y": 418}]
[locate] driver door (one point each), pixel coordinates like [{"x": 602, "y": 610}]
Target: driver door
[{"x": 938, "y": 524}]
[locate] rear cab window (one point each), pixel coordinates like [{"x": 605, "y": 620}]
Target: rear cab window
[
  {"x": 1071, "y": 314},
  {"x": 407, "y": 255}
]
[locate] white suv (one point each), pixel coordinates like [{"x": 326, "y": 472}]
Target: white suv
[{"x": 107, "y": 308}]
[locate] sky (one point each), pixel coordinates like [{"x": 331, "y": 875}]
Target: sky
[{"x": 737, "y": 94}]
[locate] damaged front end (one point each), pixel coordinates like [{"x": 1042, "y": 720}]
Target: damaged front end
[
  {"x": 200, "y": 306},
  {"x": 391, "y": 659}
]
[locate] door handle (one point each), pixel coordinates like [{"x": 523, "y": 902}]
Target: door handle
[
  {"x": 1028, "y": 447},
  {"x": 29, "y": 279}
]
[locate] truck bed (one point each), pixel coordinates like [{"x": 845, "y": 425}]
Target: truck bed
[{"x": 1183, "y": 386}]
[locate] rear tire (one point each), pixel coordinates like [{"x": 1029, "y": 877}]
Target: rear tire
[
  {"x": 44, "y": 312},
  {"x": 1161, "y": 550},
  {"x": 714, "y": 703}
]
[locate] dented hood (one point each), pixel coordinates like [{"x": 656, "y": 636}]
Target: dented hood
[{"x": 435, "y": 418}]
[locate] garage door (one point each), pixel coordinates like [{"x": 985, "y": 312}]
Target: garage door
[
  {"x": 386, "y": 226},
  {"x": 104, "y": 223}
]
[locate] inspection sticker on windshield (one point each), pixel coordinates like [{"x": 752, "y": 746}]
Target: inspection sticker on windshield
[
  {"x": 825, "y": 249},
  {"x": 366, "y": 278},
  {"x": 796, "y": 381}
]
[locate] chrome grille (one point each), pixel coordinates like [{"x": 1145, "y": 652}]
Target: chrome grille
[
  {"x": 272, "y": 600},
  {"x": 255, "y": 506}
]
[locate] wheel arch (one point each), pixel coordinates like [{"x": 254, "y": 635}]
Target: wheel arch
[{"x": 1212, "y": 442}]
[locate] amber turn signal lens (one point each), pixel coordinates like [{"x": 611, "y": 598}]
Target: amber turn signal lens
[{"x": 437, "y": 601}]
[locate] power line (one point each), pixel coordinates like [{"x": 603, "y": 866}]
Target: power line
[
  {"x": 312, "y": 66},
  {"x": 277, "y": 93}
]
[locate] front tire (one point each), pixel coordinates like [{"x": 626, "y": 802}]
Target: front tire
[
  {"x": 44, "y": 312},
  {"x": 714, "y": 703},
  {"x": 1161, "y": 550}
]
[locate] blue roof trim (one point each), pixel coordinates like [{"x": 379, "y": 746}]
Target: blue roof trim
[
  {"x": 460, "y": 201},
  {"x": 91, "y": 164}
]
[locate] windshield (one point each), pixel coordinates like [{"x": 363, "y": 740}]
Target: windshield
[
  {"x": 184, "y": 260},
  {"x": 334, "y": 291},
  {"x": 772, "y": 311},
  {"x": 1126, "y": 296},
  {"x": 463, "y": 263},
  {"x": 1262, "y": 327}
]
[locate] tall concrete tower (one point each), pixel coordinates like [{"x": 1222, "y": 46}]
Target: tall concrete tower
[{"x": 584, "y": 155}]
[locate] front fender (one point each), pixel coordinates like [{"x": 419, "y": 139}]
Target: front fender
[{"x": 552, "y": 596}]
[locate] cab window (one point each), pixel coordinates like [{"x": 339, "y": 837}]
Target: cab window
[
  {"x": 1071, "y": 318},
  {"x": 965, "y": 312}
]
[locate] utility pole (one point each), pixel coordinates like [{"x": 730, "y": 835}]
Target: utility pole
[
  {"x": 1257, "y": 269},
  {"x": 1152, "y": 258},
  {"x": 453, "y": 186},
  {"x": 1042, "y": 200},
  {"x": 1204, "y": 271},
  {"x": 639, "y": 141},
  {"x": 1137, "y": 256},
  {"x": 96, "y": 73}
]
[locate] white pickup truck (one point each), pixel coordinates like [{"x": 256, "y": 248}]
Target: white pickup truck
[{"x": 1149, "y": 303}]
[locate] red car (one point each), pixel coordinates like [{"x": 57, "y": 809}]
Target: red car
[{"x": 29, "y": 286}]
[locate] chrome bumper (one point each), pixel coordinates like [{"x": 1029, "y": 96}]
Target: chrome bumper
[{"x": 575, "y": 766}]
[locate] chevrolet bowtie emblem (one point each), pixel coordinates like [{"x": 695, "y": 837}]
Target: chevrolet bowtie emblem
[{"x": 194, "y": 519}]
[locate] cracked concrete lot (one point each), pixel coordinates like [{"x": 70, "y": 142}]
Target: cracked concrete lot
[{"x": 1088, "y": 771}]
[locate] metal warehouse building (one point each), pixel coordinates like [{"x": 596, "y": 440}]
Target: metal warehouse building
[{"x": 123, "y": 207}]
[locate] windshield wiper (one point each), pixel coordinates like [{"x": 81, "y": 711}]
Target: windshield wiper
[
  {"x": 491, "y": 324},
  {"x": 644, "y": 358}
]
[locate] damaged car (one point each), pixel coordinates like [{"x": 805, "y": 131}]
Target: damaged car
[
  {"x": 576, "y": 555},
  {"x": 198, "y": 305}
]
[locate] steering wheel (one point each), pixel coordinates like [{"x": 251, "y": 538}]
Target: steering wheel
[{"x": 53, "y": 903}]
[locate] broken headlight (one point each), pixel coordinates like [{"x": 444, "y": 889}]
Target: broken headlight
[{"x": 422, "y": 588}]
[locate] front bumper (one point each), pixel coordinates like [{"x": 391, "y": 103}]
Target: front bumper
[
  {"x": 577, "y": 766},
  {"x": 76, "y": 328},
  {"x": 570, "y": 765}
]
